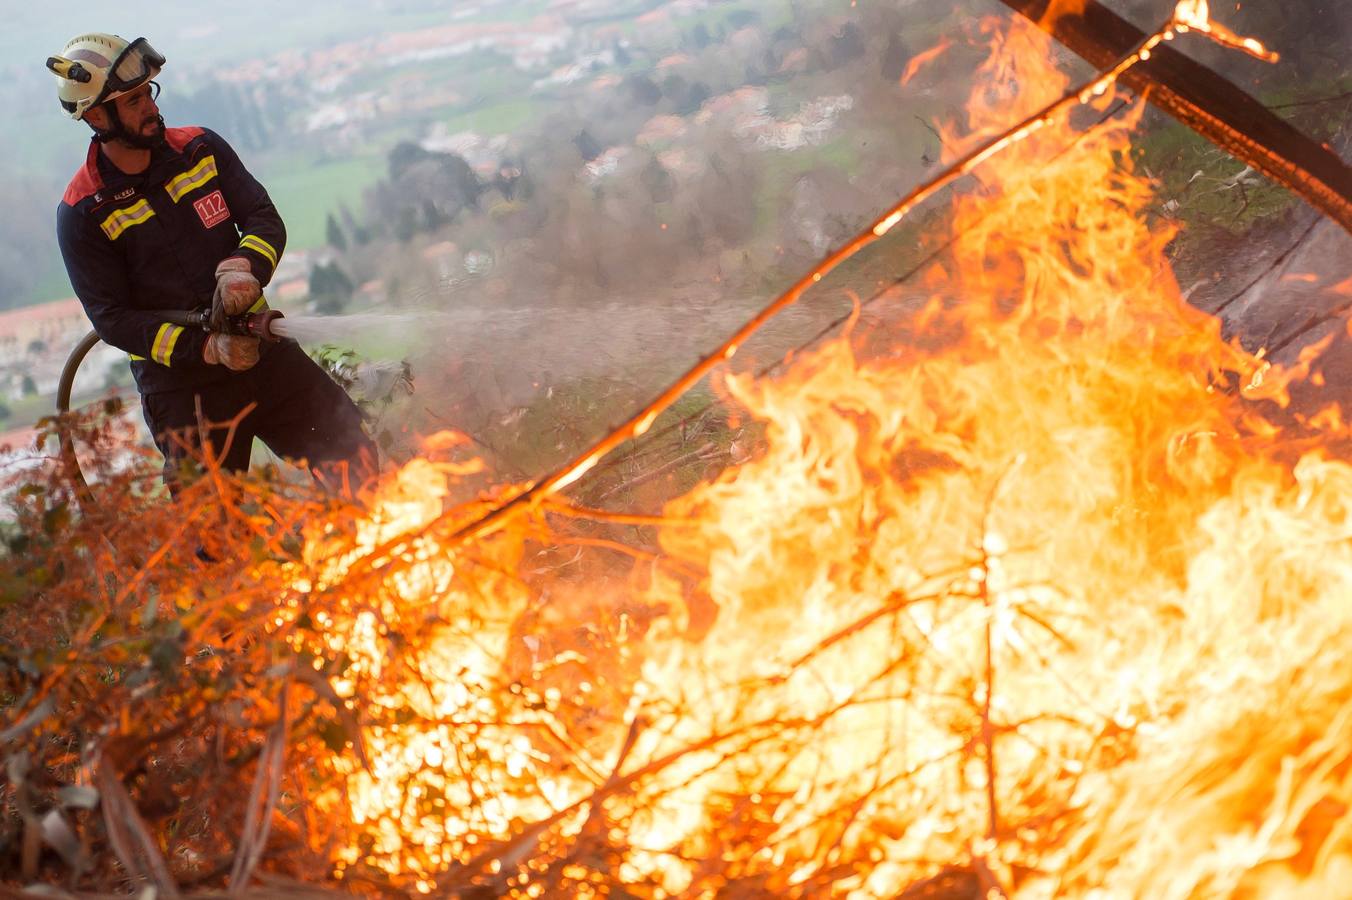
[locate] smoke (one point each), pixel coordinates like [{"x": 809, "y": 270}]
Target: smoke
[
  {"x": 543, "y": 379},
  {"x": 643, "y": 217}
]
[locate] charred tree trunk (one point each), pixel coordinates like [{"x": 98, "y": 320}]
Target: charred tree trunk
[{"x": 1207, "y": 103}]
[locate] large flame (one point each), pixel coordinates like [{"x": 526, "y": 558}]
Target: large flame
[{"x": 1038, "y": 598}]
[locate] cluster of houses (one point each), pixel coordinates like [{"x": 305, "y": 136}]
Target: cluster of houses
[{"x": 34, "y": 344}]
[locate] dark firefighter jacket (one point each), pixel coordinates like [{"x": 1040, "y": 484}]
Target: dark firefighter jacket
[{"x": 134, "y": 244}]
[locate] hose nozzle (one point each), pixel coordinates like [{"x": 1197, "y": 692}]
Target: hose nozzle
[{"x": 254, "y": 324}]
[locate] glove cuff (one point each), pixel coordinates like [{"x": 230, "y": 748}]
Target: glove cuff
[
  {"x": 209, "y": 354},
  {"x": 233, "y": 264}
]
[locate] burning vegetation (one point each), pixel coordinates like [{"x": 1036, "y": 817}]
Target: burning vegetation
[{"x": 1042, "y": 593}]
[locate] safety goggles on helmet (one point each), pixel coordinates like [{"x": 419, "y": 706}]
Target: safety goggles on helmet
[{"x": 136, "y": 64}]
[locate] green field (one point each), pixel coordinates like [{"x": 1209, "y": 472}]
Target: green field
[
  {"x": 305, "y": 191},
  {"x": 500, "y": 118},
  {"x": 54, "y": 285},
  {"x": 769, "y": 16}
]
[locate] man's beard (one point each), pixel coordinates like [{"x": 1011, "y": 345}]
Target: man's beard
[{"x": 145, "y": 141}]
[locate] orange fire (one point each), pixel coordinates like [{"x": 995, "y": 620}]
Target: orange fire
[
  {"x": 1039, "y": 600},
  {"x": 922, "y": 59}
]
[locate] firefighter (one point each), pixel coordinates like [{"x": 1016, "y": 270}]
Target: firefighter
[{"x": 170, "y": 219}]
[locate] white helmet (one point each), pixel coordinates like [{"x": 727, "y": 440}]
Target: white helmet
[{"x": 94, "y": 68}]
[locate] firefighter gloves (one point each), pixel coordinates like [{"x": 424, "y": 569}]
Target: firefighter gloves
[
  {"x": 237, "y": 290},
  {"x": 234, "y": 352}
]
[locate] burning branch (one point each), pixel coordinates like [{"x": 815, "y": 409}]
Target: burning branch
[{"x": 1204, "y": 101}]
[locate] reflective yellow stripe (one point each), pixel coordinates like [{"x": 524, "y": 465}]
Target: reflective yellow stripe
[
  {"x": 120, "y": 221},
  {"x": 192, "y": 179},
  {"x": 260, "y": 303},
  {"x": 258, "y": 245},
  {"x": 157, "y": 345},
  {"x": 134, "y": 358},
  {"x": 173, "y": 341},
  {"x": 165, "y": 339}
]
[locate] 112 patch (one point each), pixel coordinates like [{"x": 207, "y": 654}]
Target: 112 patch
[{"x": 211, "y": 209}]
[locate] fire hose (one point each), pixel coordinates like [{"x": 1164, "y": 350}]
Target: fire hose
[{"x": 254, "y": 324}]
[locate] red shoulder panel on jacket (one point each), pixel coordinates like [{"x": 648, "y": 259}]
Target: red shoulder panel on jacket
[
  {"x": 86, "y": 181},
  {"x": 178, "y": 138}
]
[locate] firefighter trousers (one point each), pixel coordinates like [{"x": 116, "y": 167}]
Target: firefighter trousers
[{"x": 287, "y": 400}]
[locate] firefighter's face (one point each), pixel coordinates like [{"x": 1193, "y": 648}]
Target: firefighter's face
[{"x": 139, "y": 114}]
